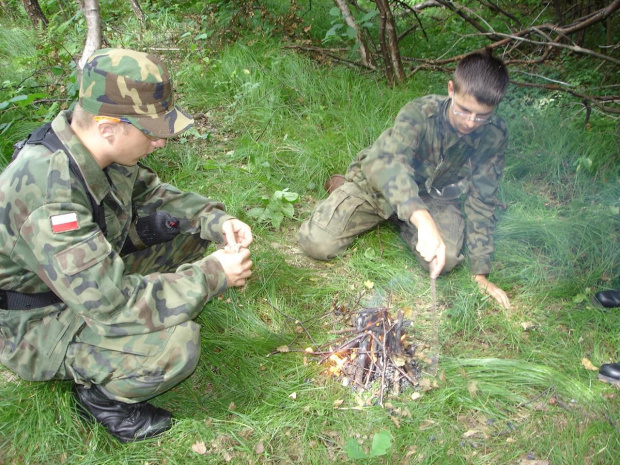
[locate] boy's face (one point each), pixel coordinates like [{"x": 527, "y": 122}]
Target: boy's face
[
  {"x": 466, "y": 114},
  {"x": 131, "y": 145}
]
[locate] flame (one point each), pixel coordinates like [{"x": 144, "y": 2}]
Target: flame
[{"x": 339, "y": 361}]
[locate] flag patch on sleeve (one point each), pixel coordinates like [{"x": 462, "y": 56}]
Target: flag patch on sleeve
[{"x": 64, "y": 222}]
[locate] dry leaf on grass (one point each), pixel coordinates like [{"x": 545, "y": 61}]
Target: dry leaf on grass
[
  {"x": 528, "y": 326},
  {"x": 260, "y": 448},
  {"x": 473, "y": 389},
  {"x": 199, "y": 447},
  {"x": 587, "y": 364}
]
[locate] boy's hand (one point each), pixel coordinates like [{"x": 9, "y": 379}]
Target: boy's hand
[
  {"x": 430, "y": 244},
  {"x": 487, "y": 287},
  {"x": 237, "y": 265},
  {"x": 237, "y": 233}
]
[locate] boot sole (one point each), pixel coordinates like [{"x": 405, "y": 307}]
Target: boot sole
[{"x": 607, "y": 379}]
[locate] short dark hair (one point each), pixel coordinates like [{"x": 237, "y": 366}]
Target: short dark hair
[{"x": 482, "y": 76}]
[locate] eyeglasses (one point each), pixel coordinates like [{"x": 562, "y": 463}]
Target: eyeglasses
[
  {"x": 468, "y": 116},
  {"x": 114, "y": 119}
]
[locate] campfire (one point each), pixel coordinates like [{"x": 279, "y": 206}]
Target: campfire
[{"x": 375, "y": 348}]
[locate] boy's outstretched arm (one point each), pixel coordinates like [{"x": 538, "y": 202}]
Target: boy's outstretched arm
[{"x": 487, "y": 287}]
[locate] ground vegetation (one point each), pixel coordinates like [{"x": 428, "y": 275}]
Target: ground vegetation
[{"x": 273, "y": 121}]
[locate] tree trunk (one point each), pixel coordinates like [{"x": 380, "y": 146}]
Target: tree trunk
[
  {"x": 137, "y": 9},
  {"x": 348, "y": 17},
  {"x": 389, "y": 41},
  {"x": 37, "y": 18},
  {"x": 90, "y": 9}
]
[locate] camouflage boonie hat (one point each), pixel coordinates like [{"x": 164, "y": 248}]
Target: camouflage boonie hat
[{"x": 135, "y": 86}]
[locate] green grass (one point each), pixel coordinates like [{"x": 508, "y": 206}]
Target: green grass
[{"x": 503, "y": 394}]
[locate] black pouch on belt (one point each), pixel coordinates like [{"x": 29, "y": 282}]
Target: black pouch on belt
[{"x": 149, "y": 230}]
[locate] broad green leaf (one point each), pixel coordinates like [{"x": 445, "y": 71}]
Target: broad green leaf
[
  {"x": 276, "y": 219},
  {"x": 332, "y": 31},
  {"x": 381, "y": 442},
  {"x": 354, "y": 450},
  {"x": 255, "y": 212},
  {"x": 368, "y": 16},
  {"x": 288, "y": 210}
]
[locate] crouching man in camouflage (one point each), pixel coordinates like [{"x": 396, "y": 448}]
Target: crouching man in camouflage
[
  {"x": 103, "y": 266},
  {"x": 441, "y": 154}
]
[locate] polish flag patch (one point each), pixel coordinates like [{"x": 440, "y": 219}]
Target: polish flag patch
[{"x": 64, "y": 222}]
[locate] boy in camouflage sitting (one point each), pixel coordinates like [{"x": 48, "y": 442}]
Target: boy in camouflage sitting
[
  {"x": 89, "y": 294},
  {"x": 441, "y": 154}
]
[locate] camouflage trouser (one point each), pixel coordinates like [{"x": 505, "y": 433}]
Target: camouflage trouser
[
  {"x": 136, "y": 368},
  {"x": 345, "y": 214}
]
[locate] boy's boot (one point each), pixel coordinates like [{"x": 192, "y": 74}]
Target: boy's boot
[
  {"x": 609, "y": 298},
  {"x": 610, "y": 373},
  {"x": 334, "y": 183},
  {"x": 126, "y": 422}
]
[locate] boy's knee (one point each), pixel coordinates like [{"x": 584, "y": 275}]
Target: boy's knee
[
  {"x": 454, "y": 258},
  {"x": 318, "y": 243}
]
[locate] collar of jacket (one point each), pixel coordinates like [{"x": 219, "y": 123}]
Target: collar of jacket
[{"x": 95, "y": 178}]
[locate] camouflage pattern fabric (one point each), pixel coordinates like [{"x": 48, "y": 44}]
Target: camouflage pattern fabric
[
  {"x": 420, "y": 150},
  {"x": 126, "y": 308},
  {"x": 135, "y": 368},
  {"x": 133, "y": 85}
]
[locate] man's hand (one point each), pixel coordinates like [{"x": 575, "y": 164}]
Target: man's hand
[
  {"x": 237, "y": 234},
  {"x": 430, "y": 244},
  {"x": 487, "y": 287},
  {"x": 237, "y": 265}
]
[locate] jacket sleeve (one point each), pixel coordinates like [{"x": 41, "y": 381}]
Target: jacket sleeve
[
  {"x": 388, "y": 165},
  {"x": 83, "y": 269},
  {"x": 204, "y": 216},
  {"x": 481, "y": 202}
]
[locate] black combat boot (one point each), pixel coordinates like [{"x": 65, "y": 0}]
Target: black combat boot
[
  {"x": 609, "y": 298},
  {"x": 610, "y": 373},
  {"x": 126, "y": 422}
]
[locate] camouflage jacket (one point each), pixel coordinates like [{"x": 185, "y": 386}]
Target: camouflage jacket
[
  {"x": 422, "y": 152},
  {"x": 83, "y": 266}
]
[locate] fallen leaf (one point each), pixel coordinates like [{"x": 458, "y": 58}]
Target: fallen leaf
[
  {"x": 425, "y": 384},
  {"x": 587, "y": 364},
  {"x": 473, "y": 389},
  {"x": 283, "y": 349},
  {"x": 199, "y": 447},
  {"x": 470, "y": 433},
  {"x": 338, "y": 402},
  {"x": 260, "y": 447},
  {"x": 399, "y": 361},
  {"x": 232, "y": 406},
  {"x": 415, "y": 396},
  {"x": 293, "y": 395},
  {"x": 528, "y": 326},
  {"x": 426, "y": 424},
  {"x": 369, "y": 284},
  {"x": 396, "y": 421}
]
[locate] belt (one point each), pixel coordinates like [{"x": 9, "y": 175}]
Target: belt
[{"x": 13, "y": 300}]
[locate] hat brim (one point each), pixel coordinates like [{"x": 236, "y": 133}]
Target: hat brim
[{"x": 171, "y": 124}]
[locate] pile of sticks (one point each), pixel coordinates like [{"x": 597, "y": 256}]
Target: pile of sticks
[{"x": 374, "y": 348}]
